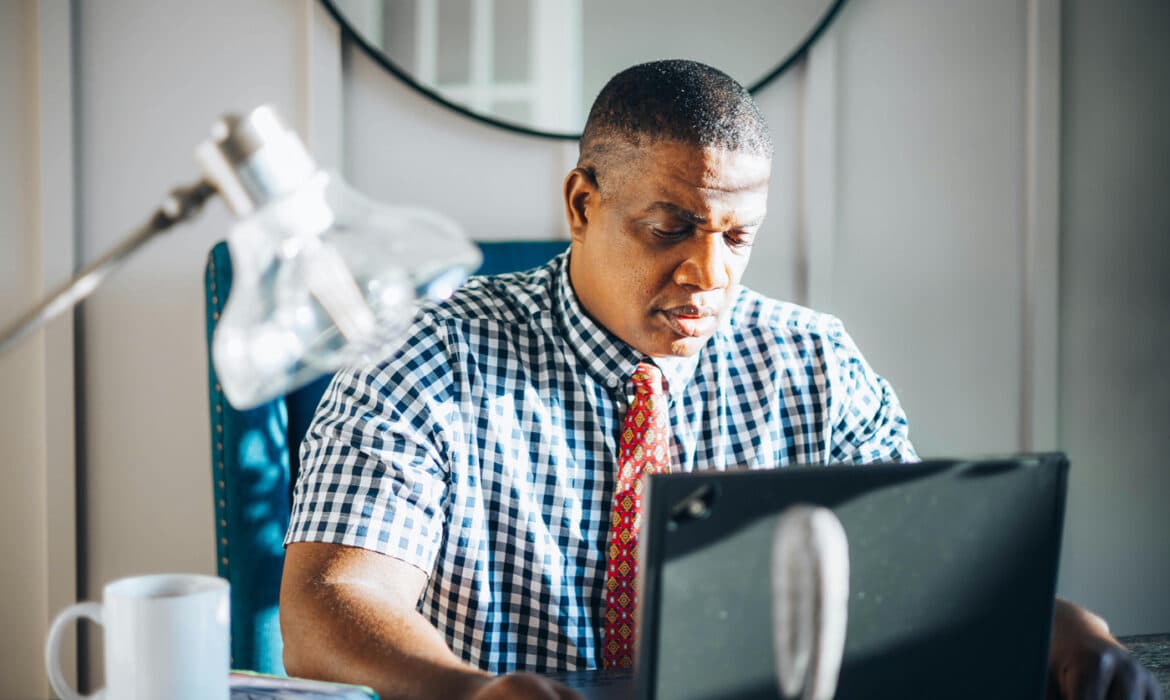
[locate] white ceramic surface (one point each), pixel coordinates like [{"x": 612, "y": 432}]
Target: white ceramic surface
[{"x": 165, "y": 636}]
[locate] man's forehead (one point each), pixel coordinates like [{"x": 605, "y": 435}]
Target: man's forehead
[{"x": 708, "y": 167}]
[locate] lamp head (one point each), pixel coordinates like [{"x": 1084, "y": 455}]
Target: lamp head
[
  {"x": 322, "y": 277},
  {"x": 254, "y": 159}
]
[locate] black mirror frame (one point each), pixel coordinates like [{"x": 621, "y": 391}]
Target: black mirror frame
[{"x": 352, "y": 35}]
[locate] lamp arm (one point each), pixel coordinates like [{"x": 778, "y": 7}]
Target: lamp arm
[{"x": 181, "y": 204}]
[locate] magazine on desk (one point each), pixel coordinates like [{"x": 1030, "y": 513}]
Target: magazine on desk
[{"x": 257, "y": 686}]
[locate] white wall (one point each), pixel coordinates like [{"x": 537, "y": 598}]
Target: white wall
[
  {"x": 1115, "y": 310},
  {"x": 927, "y": 273},
  {"x": 153, "y": 78},
  {"x": 621, "y": 34},
  {"x": 903, "y": 144},
  {"x": 401, "y": 147}
]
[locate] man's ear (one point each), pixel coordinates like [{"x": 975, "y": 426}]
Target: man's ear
[{"x": 581, "y": 198}]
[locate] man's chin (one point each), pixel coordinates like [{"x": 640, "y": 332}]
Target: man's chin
[
  {"x": 667, "y": 342},
  {"x": 674, "y": 347},
  {"x": 688, "y": 347}
]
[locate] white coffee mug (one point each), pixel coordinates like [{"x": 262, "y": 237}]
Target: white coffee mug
[{"x": 166, "y": 636}]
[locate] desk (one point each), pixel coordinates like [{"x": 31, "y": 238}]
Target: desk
[{"x": 1153, "y": 650}]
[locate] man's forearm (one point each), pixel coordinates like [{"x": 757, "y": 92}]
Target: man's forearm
[{"x": 353, "y": 633}]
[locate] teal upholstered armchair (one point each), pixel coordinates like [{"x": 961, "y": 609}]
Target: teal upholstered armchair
[{"x": 254, "y": 462}]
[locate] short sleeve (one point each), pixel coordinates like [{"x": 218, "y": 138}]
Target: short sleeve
[
  {"x": 867, "y": 422},
  {"x": 373, "y": 463}
]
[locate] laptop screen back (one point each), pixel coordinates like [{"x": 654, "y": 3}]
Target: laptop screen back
[{"x": 952, "y": 576}]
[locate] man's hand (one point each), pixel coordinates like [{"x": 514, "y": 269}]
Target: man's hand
[{"x": 1087, "y": 663}]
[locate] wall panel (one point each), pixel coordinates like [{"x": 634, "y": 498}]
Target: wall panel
[
  {"x": 23, "y": 532},
  {"x": 931, "y": 211},
  {"x": 1115, "y": 309}
]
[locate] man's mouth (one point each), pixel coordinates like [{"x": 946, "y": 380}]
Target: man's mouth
[{"x": 691, "y": 321}]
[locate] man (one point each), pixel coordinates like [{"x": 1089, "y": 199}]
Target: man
[{"x": 456, "y": 515}]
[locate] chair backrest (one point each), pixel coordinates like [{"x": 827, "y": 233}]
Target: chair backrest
[{"x": 254, "y": 463}]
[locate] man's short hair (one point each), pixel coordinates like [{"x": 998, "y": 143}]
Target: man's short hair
[{"x": 675, "y": 100}]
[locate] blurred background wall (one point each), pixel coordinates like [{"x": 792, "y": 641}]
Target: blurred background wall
[{"x": 979, "y": 189}]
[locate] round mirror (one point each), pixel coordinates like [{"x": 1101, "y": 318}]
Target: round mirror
[{"x": 535, "y": 66}]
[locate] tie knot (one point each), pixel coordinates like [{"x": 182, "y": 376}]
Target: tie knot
[{"x": 647, "y": 379}]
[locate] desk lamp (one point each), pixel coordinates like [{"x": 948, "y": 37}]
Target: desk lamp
[{"x": 322, "y": 276}]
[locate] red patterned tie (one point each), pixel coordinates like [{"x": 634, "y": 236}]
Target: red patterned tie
[{"x": 645, "y": 449}]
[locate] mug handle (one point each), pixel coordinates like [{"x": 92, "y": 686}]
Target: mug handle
[{"x": 92, "y": 611}]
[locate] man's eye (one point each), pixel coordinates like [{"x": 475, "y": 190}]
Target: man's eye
[
  {"x": 742, "y": 240},
  {"x": 673, "y": 234}
]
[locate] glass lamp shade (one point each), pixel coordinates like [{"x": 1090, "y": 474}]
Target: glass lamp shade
[{"x": 322, "y": 278}]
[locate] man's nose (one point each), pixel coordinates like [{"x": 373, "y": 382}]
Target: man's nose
[{"x": 704, "y": 266}]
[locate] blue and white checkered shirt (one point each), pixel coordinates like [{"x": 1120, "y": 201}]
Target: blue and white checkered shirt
[{"x": 483, "y": 452}]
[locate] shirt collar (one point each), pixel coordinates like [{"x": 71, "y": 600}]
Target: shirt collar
[
  {"x": 606, "y": 357},
  {"x": 677, "y": 371}
]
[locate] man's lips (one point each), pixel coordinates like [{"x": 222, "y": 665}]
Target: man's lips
[
  {"x": 692, "y": 310},
  {"x": 691, "y": 321}
]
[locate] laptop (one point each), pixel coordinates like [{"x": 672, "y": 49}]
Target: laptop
[{"x": 952, "y": 580}]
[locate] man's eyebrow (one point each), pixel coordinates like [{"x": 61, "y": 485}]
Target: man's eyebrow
[
  {"x": 691, "y": 217},
  {"x": 675, "y": 210}
]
